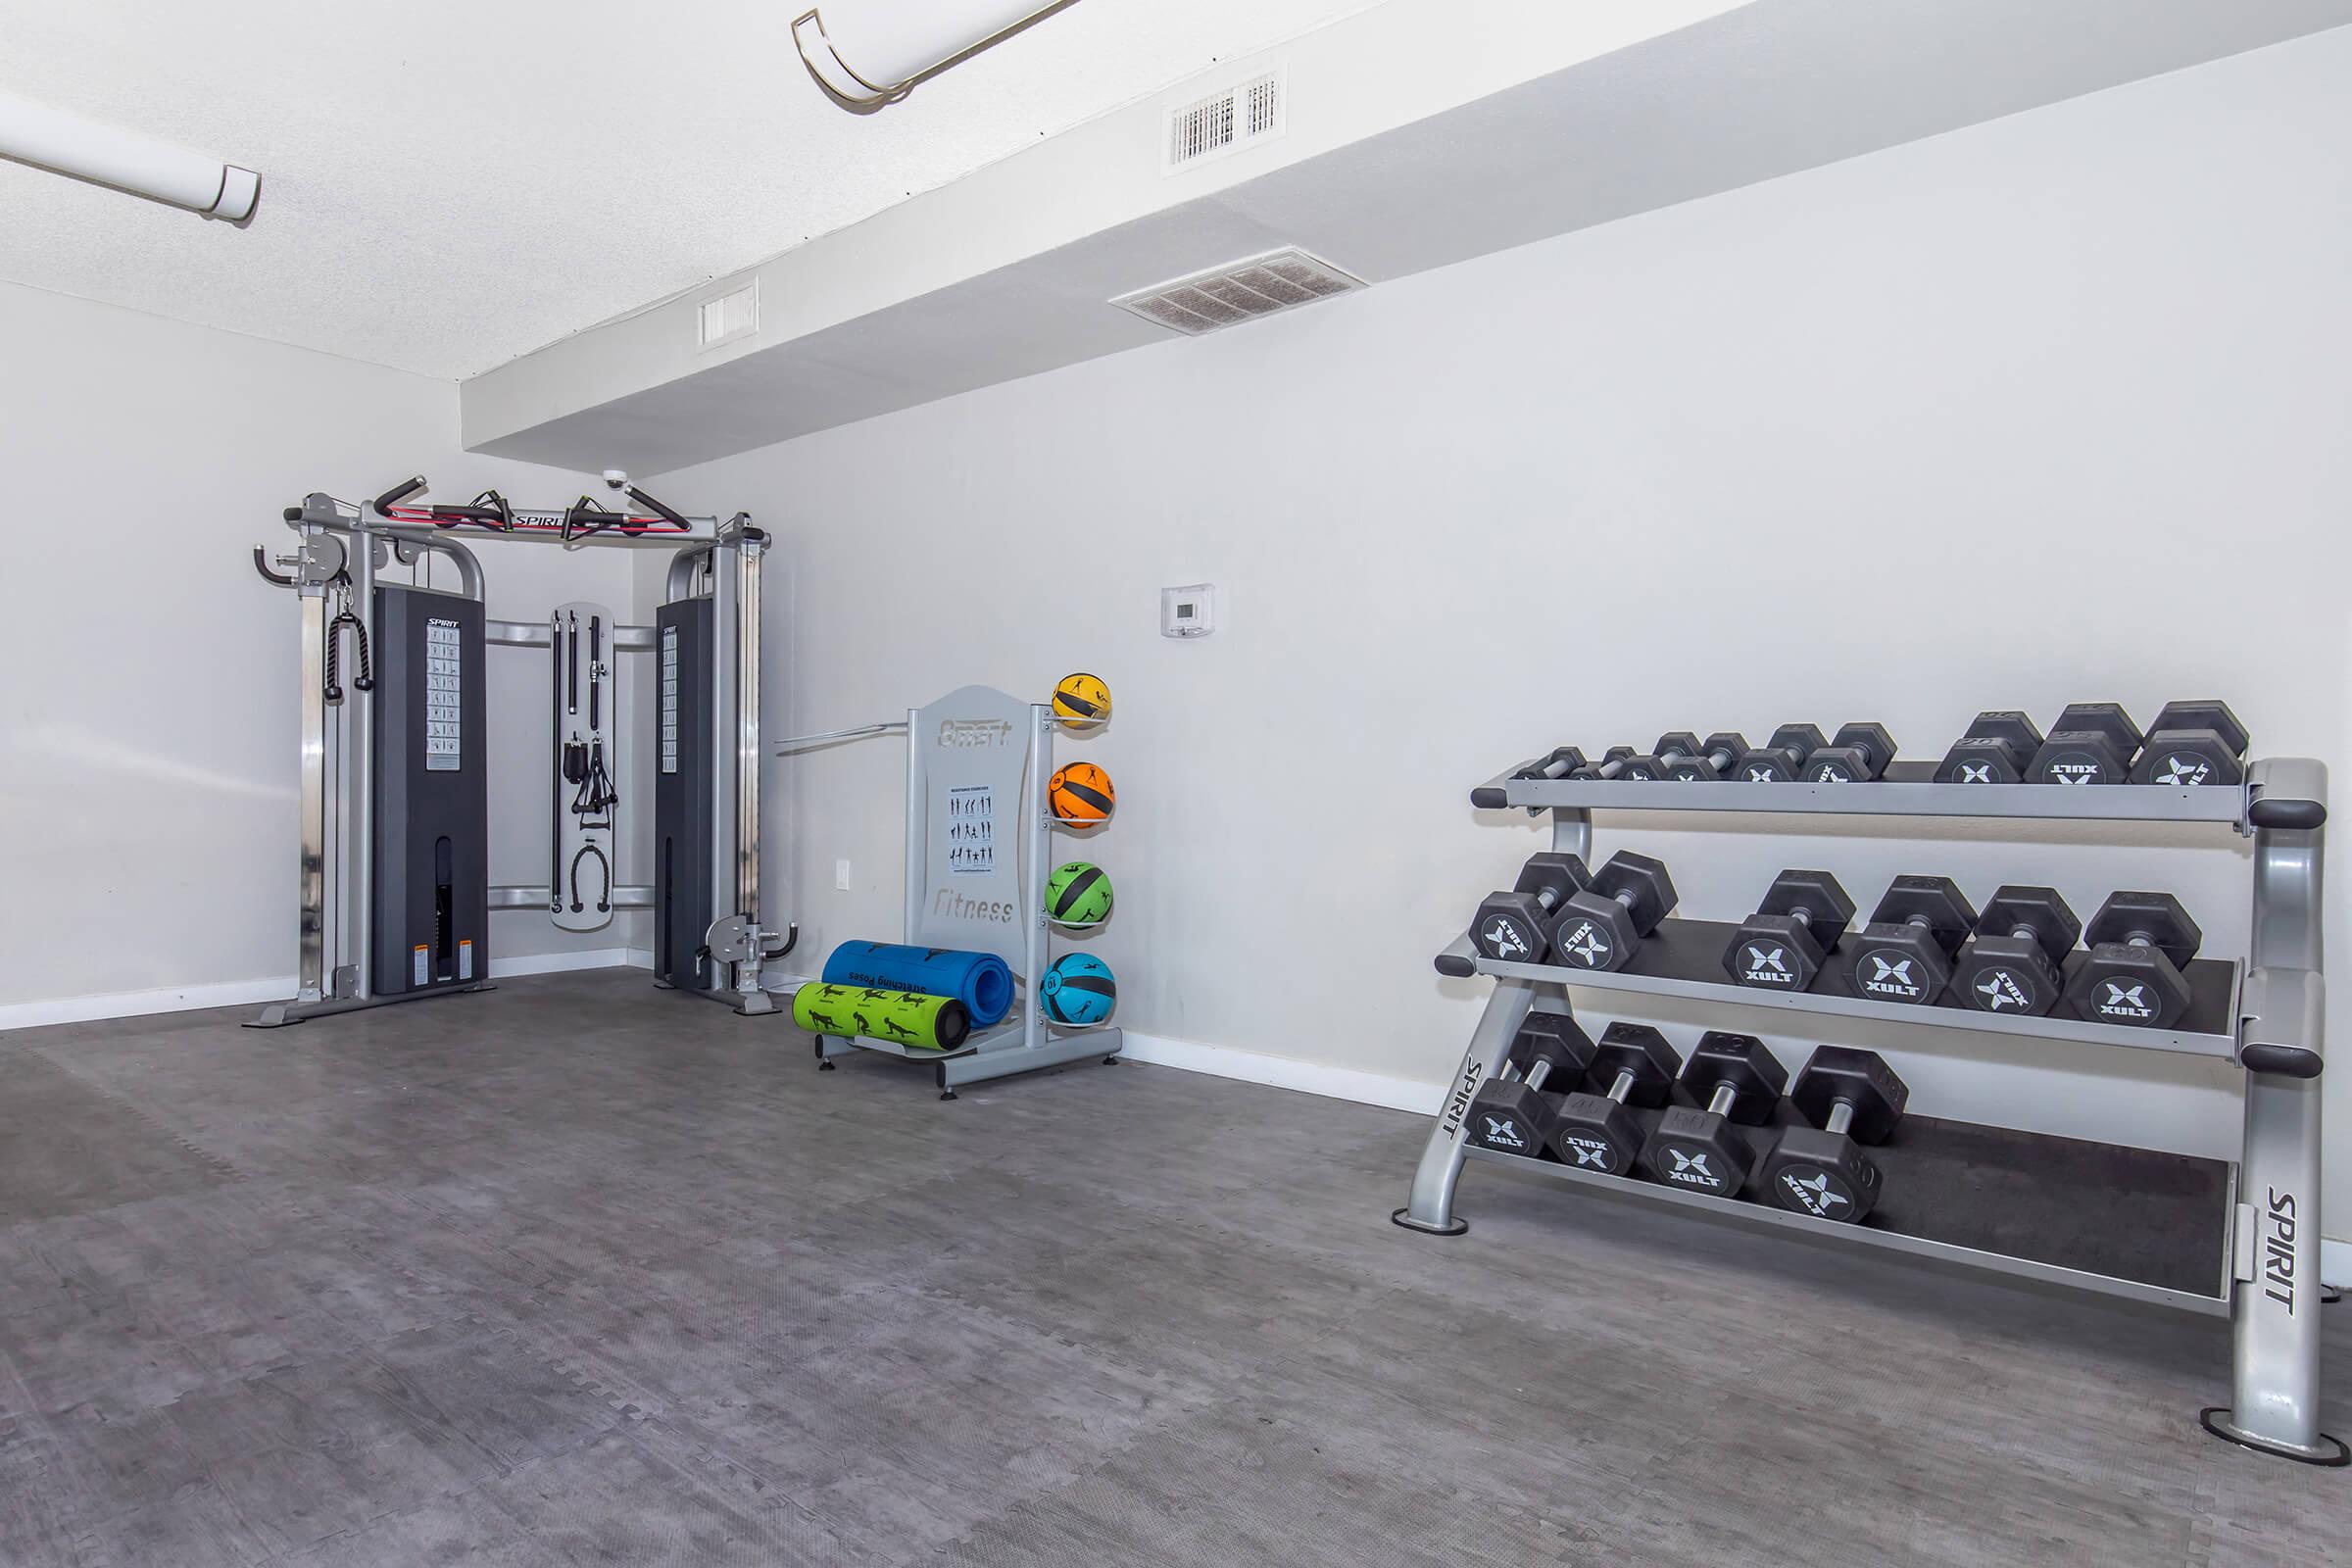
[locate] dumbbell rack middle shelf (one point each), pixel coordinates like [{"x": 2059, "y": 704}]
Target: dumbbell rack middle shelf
[{"x": 1684, "y": 959}]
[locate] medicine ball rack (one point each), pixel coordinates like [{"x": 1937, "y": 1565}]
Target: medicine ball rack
[
  {"x": 2237, "y": 1239},
  {"x": 981, "y": 744}
]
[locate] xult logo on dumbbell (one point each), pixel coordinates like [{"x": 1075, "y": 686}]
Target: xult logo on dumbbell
[
  {"x": 1503, "y": 1134},
  {"x": 1814, "y": 1195},
  {"x": 1883, "y": 979},
  {"x": 1738, "y": 1081},
  {"x": 2141, "y": 945},
  {"x": 1781, "y": 946},
  {"x": 1514, "y": 1112},
  {"x": 1692, "y": 1169},
  {"x": 1905, "y": 952},
  {"x": 2124, "y": 1002},
  {"x": 2016, "y": 962},
  {"x": 2193, "y": 743},
  {"x": 1509, "y": 927},
  {"x": 1600, "y": 927},
  {"x": 1852, "y": 1099}
]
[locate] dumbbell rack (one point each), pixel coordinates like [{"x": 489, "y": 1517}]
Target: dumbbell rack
[{"x": 2241, "y": 1240}]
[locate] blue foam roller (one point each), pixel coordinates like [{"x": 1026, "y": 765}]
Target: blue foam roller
[{"x": 981, "y": 980}]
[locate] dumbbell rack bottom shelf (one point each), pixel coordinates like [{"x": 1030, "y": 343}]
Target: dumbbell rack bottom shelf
[
  {"x": 2129, "y": 1222},
  {"x": 1684, "y": 959}
]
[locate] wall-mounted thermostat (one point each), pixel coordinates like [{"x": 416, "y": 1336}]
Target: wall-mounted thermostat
[{"x": 1188, "y": 612}]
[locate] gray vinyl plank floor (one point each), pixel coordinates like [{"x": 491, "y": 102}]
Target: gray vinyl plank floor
[{"x": 577, "y": 1272}]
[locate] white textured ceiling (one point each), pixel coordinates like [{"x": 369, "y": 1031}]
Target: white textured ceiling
[{"x": 450, "y": 183}]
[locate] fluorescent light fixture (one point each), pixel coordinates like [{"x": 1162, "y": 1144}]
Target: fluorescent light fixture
[
  {"x": 68, "y": 144},
  {"x": 872, "y": 52}
]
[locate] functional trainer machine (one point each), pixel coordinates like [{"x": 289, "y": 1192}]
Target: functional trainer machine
[
  {"x": 394, "y": 879},
  {"x": 2236, "y": 1239}
]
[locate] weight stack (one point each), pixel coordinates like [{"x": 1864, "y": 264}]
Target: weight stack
[
  {"x": 683, "y": 907},
  {"x": 431, "y": 898}
]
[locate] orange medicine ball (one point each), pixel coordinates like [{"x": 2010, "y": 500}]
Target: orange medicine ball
[{"x": 1080, "y": 793}]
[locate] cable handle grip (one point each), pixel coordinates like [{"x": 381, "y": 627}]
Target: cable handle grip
[
  {"x": 673, "y": 518},
  {"x": 397, "y": 493}
]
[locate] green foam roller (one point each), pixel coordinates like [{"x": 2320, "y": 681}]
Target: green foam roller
[{"x": 902, "y": 1017}]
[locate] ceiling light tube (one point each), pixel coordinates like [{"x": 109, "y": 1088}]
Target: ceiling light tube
[
  {"x": 68, "y": 144},
  {"x": 871, "y": 52}
]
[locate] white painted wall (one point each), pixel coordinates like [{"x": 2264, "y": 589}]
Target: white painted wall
[
  {"x": 148, "y": 718},
  {"x": 2051, "y": 409}
]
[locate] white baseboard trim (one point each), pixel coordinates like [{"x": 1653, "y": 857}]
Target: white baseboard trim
[
  {"x": 138, "y": 1004},
  {"x": 274, "y": 988},
  {"x": 1284, "y": 1072},
  {"x": 565, "y": 963},
  {"x": 2336, "y": 1264}
]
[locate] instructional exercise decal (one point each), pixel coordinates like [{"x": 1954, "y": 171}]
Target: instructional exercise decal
[{"x": 972, "y": 830}]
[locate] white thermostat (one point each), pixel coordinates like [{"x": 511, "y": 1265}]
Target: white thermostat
[{"x": 1188, "y": 612}]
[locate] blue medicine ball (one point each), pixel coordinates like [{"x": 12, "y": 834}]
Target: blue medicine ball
[{"x": 1080, "y": 989}]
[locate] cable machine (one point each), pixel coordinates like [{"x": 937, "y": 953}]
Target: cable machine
[{"x": 393, "y": 881}]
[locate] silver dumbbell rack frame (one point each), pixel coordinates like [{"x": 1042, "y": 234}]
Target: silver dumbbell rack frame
[{"x": 2268, "y": 1268}]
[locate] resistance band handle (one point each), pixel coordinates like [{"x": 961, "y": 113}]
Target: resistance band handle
[
  {"x": 397, "y": 493},
  {"x": 659, "y": 509}
]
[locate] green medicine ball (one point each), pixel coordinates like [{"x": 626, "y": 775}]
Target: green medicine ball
[{"x": 1078, "y": 894}]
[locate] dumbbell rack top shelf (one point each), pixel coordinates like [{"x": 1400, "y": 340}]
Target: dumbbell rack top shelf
[
  {"x": 2281, "y": 792},
  {"x": 2266, "y": 1015}
]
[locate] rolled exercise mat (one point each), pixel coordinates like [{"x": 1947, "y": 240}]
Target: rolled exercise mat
[
  {"x": 981, "y": 980},
  {"x": 902, "y": 1017}
]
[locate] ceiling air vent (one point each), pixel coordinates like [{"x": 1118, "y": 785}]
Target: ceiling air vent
[
  {"x": 1226, "y": 122},
  {"x": 1240, "y": 291}
]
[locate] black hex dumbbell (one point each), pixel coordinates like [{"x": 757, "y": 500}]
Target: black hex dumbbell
[
  {"x": 2139, "y": 945},
  {"x": 2092, "y": 743},
  {"x": 1905, "y": 953},
  {"x": 1859, "y": 753},
  {"x": 1781, "y": 946},
  {"x": 1613, "y": 764},
  {"x": 1600, "y": 927},
  {"x": 1782, "y": 759},
  {"x": 1515, "y": 926},
  {"x": 1683, "y": 757},
  {"x": 2193, "y": 743},
  {"x": 1513, "y": 1111},
  {"x": 1565, "y": 761},
  {"x": 1853, "y": 1098},
  {"x": 1737, "y": 1080},
  {"x": 1718, "y": 755},
  {"x": 1597, "y": 1130},
  {"x": 1998, "y": 748},
  {"x": 2016, "y": 962}
]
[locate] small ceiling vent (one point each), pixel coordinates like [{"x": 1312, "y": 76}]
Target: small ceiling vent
[
  {"x": 1227, "y": 122},
  {"x": 1240, "y": 291}
]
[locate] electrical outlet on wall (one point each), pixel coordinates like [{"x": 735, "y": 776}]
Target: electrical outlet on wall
[{"x": 840, "y": 876}]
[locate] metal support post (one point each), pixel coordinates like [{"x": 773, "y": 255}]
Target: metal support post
[{"x": 2274, "y": 1371}]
